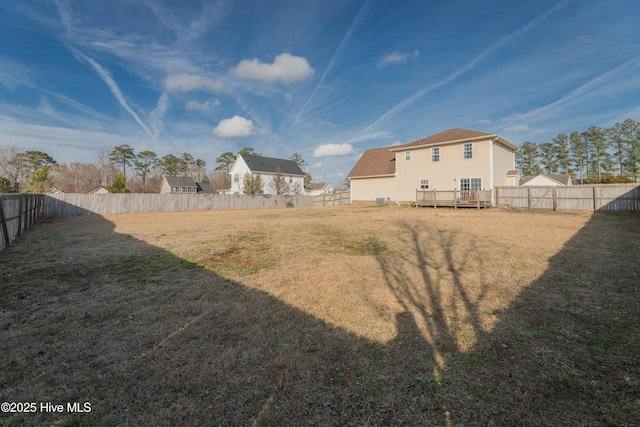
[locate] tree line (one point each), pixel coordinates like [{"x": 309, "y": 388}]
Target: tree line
[
  {"x": 596, "y": 155},
  {"x": 120, "y": 169}
]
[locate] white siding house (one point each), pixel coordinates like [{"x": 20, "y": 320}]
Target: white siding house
[{"x": 267, "y": 167}]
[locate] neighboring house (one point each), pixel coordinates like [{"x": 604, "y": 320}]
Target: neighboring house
[
  {"x": 61, "y": 189},
  {"x": 454, "y": 159},
  {"x": 184, "y": 184},
  {"x": 266, "y": 167},
  {"x": 314, "y": 189},
  {"x": 542, "y": 179},
  {"x": 101, "y": 189}
]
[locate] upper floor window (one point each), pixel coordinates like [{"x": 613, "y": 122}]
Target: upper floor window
[
  {"x": 435, "y": 154},
  {"x": 407, "y": 155},
  {"x": 468, "y": 151}
]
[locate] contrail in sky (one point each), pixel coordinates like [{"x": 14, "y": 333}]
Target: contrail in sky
[
  {"x": 469, "y": 65},
  {"x": 591, "y": 84},
  {"x": 360, "y": 18},
  {"x": 115, "y": 90}
]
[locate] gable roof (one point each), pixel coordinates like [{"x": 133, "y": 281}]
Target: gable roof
[
  {"x": 205, "y": 187},
  {"x": 180, "y": 181},
  {"x": 270, "y": 165},
  {"x": 317, "y": 185},
  {"x": 376, "y": 162},
  {"x": 381, "y": 161},
  {"x": 451, "y": 135},
  {"x": 560, "y": 178}
]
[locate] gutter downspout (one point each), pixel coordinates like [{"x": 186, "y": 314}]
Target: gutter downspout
[{"x": 491, "y": 173}]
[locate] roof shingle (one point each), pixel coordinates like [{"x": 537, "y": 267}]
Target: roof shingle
[{"x": 270, "y": 165}]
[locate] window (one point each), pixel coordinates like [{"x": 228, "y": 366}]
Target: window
[
  {"x": 435, "y": 154},
  {"x": 236, "y": 177},
  {"x": 468, "y": 151},
  {"x": 470, "y": 184},
  {"x": 424, "y": 184},
  {"x": 407, "y": 155},
  {"x": 290, "y": 180}
]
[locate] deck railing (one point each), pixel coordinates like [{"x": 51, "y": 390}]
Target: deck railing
[{"x": 453, "y": 198}]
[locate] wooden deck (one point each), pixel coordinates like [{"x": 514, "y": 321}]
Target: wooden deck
[{"x": 479, "y": 199}]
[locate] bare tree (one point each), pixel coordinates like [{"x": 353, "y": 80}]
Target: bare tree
[
  {"x": 77, "y": 177},
  {"x": 278, "y": 184}
]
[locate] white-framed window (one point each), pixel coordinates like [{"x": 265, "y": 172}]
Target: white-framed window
[
  {"x": 435, "y": 154},
  {"x": 407, "y": 155},
  {"x": 470, "y": 184},
  {"x": 424, "y": 184},
  {"x": 467, "y": 149},
  {"x": 290, "y": 180},
  {"x": 236, "y": 177}
]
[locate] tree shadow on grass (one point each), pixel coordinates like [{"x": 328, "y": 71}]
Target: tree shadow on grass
[
  {"x": 564, "y": 352},
  {"x": 148, "y": 338}
]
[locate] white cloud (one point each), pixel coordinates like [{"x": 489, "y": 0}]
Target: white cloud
[
  {"x": 204, "y": 106},
  {"x": 189, "y": 82},
  {"x": 517, "y": 128},
  {"x": 484, "y": 121},
  {"x": 333, "y": 150},
  {"x": 286, "y": 68},
  {"x": 234, "y": 128},
  {"x": 396, "y": 143},
  {"x": 396, "y": 57}
]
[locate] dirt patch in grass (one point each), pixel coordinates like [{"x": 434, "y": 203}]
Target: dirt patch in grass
[{"x": 331, "y": 316}]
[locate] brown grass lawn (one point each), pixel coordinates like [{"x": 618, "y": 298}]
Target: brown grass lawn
[{"x": 329, "y": 316}]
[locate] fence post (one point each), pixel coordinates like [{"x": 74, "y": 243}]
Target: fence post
[
  {"x": 595, "y": 199},
  {"x": 20, "y": 211},
  {"x": 528, "y": 197},
  {"x": 3, "y": 224},
  {"x": 554, "y": 195}
]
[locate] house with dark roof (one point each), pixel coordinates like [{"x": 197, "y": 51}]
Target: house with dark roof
[
  {"x": 267, "y": 167},
  {"x": 458, "y": 159},
  {"x": 184, "y": 184}
]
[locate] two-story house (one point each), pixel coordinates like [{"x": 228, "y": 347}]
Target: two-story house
[
  {"x": 267, "y": 167},
  {"x": 454, "y": 159}
]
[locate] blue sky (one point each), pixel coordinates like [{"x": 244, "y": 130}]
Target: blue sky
[{"x": 328, "y": 79}]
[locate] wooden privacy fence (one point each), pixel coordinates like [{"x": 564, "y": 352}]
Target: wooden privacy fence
[
  {"x": 18, "y": 212},
  {"x": 332, "y": 199},
  {"x": 611, "y": 198},
  {"x": 74, "y": 204}
]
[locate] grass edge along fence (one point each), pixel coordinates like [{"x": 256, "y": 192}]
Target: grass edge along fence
[
  {"x": 595, "y": 198},
  {"x": 18, "y": 212}
]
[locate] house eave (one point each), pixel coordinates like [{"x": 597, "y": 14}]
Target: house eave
[
  {"x": 435, "y": 144},
  {"x": 492, "y": 137},
  {"x": 372, "y": 176}
]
